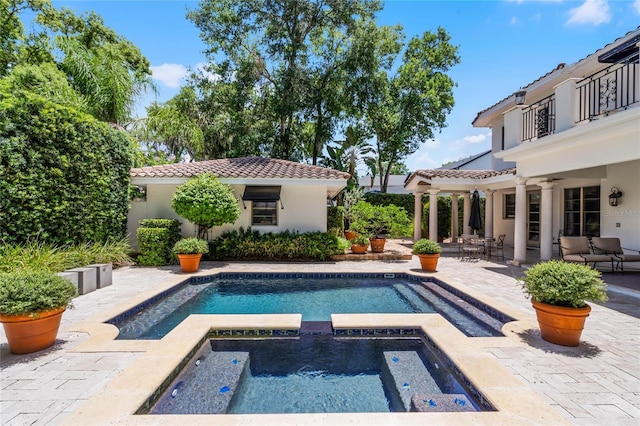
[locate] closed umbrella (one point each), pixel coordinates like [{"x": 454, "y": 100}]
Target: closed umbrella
[{"x": 475, "y": 220}]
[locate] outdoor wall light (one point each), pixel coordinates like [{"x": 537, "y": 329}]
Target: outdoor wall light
[
  {"x": 614, "y": 196},
  {"x": 520, "y": 95}
]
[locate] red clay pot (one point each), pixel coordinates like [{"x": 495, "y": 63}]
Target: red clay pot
[
  {"x": 359, "y": 248},
  {"x": 377, "y": 244},
  {"x": 429, "y": 262},
  {"x": 189, "y": 262},
  {"x": 559, "y": 324},
  {"x": 27, "y": 333},
  {"x": 349, "y": 235}
]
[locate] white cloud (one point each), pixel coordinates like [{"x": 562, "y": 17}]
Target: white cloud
[
  {"x": 593, "y": 12},
  {"x": 170, "y": 75},
  {"x": 513, "y": 20},
  {"x": 636, "y": 6},
  {"x": 476, "y": 138}
]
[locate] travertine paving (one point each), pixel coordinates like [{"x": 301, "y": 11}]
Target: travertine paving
[{"x": 595, "y": 383}]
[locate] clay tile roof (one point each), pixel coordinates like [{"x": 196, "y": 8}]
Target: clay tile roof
[
  {"x": 462, "y": 174},
  {"x": 246, "y": 167}
]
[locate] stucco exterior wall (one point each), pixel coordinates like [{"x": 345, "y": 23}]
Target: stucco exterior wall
[
  {"x": 622, "y": 221},
  {"x": 305, "y": 210}
]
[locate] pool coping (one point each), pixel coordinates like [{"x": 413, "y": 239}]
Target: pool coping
[{"x": 124, "y": 395}]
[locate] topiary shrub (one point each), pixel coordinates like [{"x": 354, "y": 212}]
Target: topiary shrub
[
  {"x": 65, "y": 175},
  {"x": 156, "y": 238},
  {"x": 191, "y": 246},
  {"x": 206, "y": 202},
  {"x": 426, "y": 246}
]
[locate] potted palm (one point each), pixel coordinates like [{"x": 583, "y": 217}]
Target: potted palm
[
  {"x": 429, "y": 252},
  {"x": 189, "y": 252},
  {"x": 31, "y": 307},
  {"x": 558, "y": 291},
  {"x": 359, "y": 244}
]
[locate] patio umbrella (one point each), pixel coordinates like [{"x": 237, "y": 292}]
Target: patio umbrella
[{"x": 475, "y": 220}]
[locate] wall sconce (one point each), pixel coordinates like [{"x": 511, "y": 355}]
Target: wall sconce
[
  {"x": 614, "y": 196},
  {"x": 520, "y": 95}
]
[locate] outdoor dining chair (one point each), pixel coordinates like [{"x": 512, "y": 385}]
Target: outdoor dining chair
[{"x": 498, "y": 247}]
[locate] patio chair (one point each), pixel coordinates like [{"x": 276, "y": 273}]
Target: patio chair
[
  {"x": 471, "y": 247},
  {"x": 577, "y": 249},
  {"x": 498, "y": 247},
  {"x": 611, "y": 246}
]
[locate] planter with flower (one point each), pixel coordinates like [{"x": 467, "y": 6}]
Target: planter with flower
[
  {"x": 559, "y": 291},
  {"x": 31, "y": 307},
  {"x": 359, "y": 244},
  {"x": 189, "y": 252},
  {"x": 429, "y": 252}
]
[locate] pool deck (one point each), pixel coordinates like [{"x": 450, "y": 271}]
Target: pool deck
[{"x": 595, "y": 383}]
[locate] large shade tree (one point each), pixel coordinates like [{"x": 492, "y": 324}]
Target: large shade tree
[
  {"x": 406, "y": 107},
  {"x": 281, "y": 43}
]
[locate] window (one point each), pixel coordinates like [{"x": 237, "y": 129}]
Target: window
[
  {"x": 582, "y": 211},
  {"x": 509, "y": 206},
  {"x": 264, "y": 213}
]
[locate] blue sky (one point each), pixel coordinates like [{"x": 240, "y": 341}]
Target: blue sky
[{"x": 504, "y": 45}]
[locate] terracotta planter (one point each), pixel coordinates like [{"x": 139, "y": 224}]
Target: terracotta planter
[
  {"x": 559, "y": 324},
  {"x": 429, "y": 262},
  {"x": 349, "y": 235},
  {"x": 377, "y": 244},
  {"x": 359, "y": 248},
  {"x": 26, "y": 333},
  {"x": 189, "y": 262}
]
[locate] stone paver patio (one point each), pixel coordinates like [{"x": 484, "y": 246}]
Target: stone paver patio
[{"x": 595, "y": 383}]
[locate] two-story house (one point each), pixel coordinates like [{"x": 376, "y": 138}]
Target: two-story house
[{"x": 565, "y": 156}]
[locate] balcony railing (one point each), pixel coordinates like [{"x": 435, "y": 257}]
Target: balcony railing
[
  {"x": 614, "y": 88},
  {"x": 539, "y": 119}
]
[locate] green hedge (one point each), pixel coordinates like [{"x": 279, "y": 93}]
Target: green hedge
[
  {"x": 251, "y": 245},
  {"x": 156, "y": 238},
  {"x": 65, "y": 175}
]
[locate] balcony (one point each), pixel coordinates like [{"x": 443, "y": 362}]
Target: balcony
[
  {"x": 612, "y": 89},
  {"x": 539, "y": 119}
]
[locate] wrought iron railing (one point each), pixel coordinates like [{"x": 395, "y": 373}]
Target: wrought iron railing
[
  {"x": 614, "y": 88},
  {"x": 539, "y": 119}
]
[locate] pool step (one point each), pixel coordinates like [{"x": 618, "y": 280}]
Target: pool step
[
  {"x": 409, "y": 376},
  {"x": 440, "y": 403},
  {"x": 190, "y": 393}
]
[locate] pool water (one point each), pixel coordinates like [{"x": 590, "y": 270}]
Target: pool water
[
  {"x": 312, "y": 374},
  {"x": 315, "y": 298}
]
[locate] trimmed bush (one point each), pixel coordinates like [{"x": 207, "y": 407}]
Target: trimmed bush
[
  {"x": 156, "y": 238},
  {"x": 191, "y": 246},
  {"x": 251, "y": 245},
  {"x": 65, "y": 175},
  {"x": 31, "y": 292}
]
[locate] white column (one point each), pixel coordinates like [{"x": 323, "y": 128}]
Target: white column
[
  {"x": 520, "y": 228},
  {"x": 546, "y": 221},
  {"x": 488, "y": 213},
  {"x": 433, "y": 214},
  {"x": 454, "y": 216},
  {"x": 466, "y": 213},
  {"x": 417, "y": 216}
]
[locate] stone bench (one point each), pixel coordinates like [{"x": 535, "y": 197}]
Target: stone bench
[{"x": 90, "y": 277}]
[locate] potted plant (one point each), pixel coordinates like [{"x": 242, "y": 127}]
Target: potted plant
[
  {"x": 351, "y": 198},
  {"x": 429, "y": 252},
  {"x": 558, "y": 292},
  {"x": 379, "y": 221},
  {"x": 31, "y": 307},
  {"x": 359, "y": 244},
  {"x": 189, "y": 252}
]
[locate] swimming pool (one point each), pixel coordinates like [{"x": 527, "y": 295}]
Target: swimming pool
[
  {"x": 315, "y": 374},
  {"x": 316, "y": 296}
]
